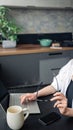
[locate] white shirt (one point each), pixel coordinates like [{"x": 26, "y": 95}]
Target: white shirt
[{"x": 62, "y": 80}]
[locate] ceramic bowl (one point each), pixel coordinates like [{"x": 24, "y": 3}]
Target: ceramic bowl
[{"x": 45, "y": 42}]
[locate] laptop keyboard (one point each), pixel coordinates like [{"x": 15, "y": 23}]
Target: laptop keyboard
[{"x": 32, "y": 106}]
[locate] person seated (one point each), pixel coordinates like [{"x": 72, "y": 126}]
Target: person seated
[{"x": 62, "y": 82}]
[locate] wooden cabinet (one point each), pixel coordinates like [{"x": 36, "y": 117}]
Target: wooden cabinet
[
  {"x": 30, "y": 69},
  {"x": 30, "y": 64},
  {"x": 50, "y": 66},
  {"x": 20, "y": 70},
  {"x": 37, "y": 3}
]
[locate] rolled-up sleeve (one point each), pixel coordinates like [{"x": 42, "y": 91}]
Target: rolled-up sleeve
[
  {"x": 62, "y": 80},
  {"x": 56, "y": 82}
]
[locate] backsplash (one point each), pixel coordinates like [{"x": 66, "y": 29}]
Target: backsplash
[{"x": 44, "y": 20}]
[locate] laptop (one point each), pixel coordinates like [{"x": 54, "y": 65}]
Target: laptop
[{"x": 8, "y": 99}]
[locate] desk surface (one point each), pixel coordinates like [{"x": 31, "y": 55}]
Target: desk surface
[
  {"x": 30, "y": 48},
  {"x": 32, "y": 123}
]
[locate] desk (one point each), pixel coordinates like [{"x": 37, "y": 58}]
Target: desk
[{"x": 32, "y": 122}]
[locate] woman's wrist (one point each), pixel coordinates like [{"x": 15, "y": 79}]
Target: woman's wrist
[
  {"x": 68, "y": 112},
  {"x": 35, "y": 95}
]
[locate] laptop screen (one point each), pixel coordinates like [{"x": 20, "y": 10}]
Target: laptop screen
[
  {"x": 4, "y": 96},
  {"x": 3, "y": 90}
]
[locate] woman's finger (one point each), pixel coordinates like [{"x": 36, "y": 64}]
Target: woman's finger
[
  {"x": 57, "y": 103},
  {"x": 23, "y": 95},
  {"x": 56, "y": 98},
  {"x": 58, "y": 94},
  {"x": 23, "y": 99}
]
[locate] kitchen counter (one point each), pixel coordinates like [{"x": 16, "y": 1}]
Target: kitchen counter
[
  {"x": 30, "y": 48},
  {"x": 24, "y": 65}
]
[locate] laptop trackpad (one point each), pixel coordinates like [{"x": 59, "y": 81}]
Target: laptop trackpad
[{"x": 32, "y": 106}]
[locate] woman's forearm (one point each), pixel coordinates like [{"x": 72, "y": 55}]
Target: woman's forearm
[{"x": 46, "y": 91}]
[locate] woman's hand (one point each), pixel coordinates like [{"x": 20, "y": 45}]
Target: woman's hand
[
  {"x": 28, "y": 97},
  {"x": 61, "y": 102}
]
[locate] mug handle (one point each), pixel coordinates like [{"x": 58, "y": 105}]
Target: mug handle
[{"x": 26, "y": 111}]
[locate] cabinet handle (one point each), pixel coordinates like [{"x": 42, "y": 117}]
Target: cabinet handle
[
  {"x": 55, "y": 69},
  {"x": 56, "y": 53}
]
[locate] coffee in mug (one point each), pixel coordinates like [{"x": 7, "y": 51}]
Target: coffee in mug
[{"x": 15, "y": 117}]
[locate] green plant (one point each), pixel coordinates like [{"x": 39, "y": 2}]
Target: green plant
[{"x": 8, "y": 27}]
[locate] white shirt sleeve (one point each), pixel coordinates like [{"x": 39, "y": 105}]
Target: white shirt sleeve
[{"x": 62, "y": 80}]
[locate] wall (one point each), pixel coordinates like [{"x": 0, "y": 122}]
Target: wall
[{"x": 44, "y": 20}]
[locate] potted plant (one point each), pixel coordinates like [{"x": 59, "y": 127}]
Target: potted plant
[{"x": 8, "y": 28}]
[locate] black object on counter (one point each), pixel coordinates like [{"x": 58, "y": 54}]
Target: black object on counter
[{"x": 67, "y": 44}]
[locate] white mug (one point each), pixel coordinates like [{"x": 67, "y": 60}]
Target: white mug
[{"x": 15, "y": 117}]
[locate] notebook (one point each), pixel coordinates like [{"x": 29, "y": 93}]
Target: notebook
[{"x": 8, "y": 99}]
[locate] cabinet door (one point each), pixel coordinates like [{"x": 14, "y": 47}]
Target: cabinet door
[{"x": 51, "y": 67}]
